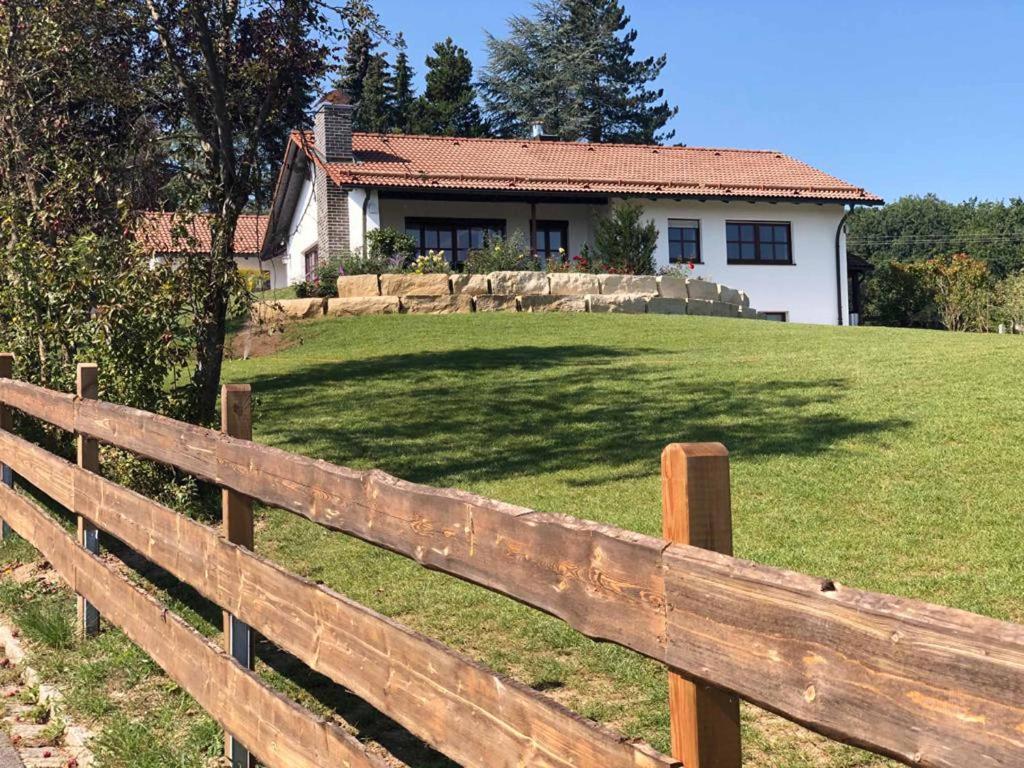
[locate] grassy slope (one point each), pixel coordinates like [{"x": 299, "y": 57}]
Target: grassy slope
[{"x": 886, "y": 459}]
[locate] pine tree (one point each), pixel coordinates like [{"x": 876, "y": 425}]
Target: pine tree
[
  {"x": 359, "y": 54},
  {"x": 401, "y": 96},
  {"x": 448, "y": 106},
  {"x": 573, "y": 65},
  {"x": 373, "y": 111}
]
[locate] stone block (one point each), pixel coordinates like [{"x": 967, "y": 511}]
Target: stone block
[
  {"x": 700, "y": 307},
  {"x": 437, "y": 305},
  {"x": 517, "y": 283},
  {"x": 672, "y": 287},
  {"x": 625, "y": 303},
  {"x": 629, "y": 284},
  {"x": 469, "y": 285},
  {"x": 724, "y": 309},
  {"x": 358, "y": 285},
  {"x": 744, "y": 300},
  {"x": 291, "y": 309},
  {"x": 352, "y": 306},
  {"x": 704, "y": 290},
  {"x": 414, "y": 285},
  {"x": 728, "y": 295},
  {"x": 748, "y": 312},
  {"x": 495, "y": 303},
  {"x": 660, "y": 305},
  {"x": 534, "y": 302},
  {"x": 573, "y": 284}
]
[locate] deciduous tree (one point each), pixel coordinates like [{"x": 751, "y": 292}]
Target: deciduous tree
[{"x": 235, "y": 76}]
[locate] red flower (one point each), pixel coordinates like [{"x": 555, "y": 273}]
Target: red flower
[{"x": 690, "y": 265}]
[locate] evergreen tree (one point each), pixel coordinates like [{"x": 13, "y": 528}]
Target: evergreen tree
[
  {"x": 573, "y": 65},
  {"x": 359, "y": 54},
  {"x": 448, "y": 106},
  {"x": 401, "y": 96},
  {"x": 373, "y": 111}
]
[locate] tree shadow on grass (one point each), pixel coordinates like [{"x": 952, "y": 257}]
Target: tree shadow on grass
[{"x": 491, "y": 413}]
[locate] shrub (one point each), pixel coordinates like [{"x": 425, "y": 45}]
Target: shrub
[
  {"x": 898, "y": 294},
  {"x": 502, "y": 254},
  {"x": 962, "y": 287},
  {"x": 1009, "y": 299},
  {"x": 389, "y": 244},
  {"x": 430, "y": 263},
  {"x": 254, "y": 279},
  {"x": 624, "y": 243}
]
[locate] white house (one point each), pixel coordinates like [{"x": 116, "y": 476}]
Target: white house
[{"x": 756, "y": 220}]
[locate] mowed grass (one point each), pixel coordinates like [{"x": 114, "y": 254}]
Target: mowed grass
[{"x": 885, "y": 459}]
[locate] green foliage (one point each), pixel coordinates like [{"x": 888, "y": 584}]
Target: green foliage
[
  {"x": 1009, "y": 298},
  {"x": 374, "y": 114},
  {"x": 448, "y": 106},
  {"x": 918, "y": 228},
  {"x": 502, "y": 254},
  {"x": 386, "y": 243},
  {"x": 74, "y": 287},
  {"x": 952, "y": 292},
  {"x": 360, "y": 51},
  {"x": 963, "y": 292},
  {"x": 401, "y": 96},
  {"x": 574, "y": 66},
  {"x": 430, "y": 263},
  {"x": 897, "y": 294},
  {"x": 624, "y": 242}
]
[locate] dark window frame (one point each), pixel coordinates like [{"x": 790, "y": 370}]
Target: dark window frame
[
  {"x": 453, "y": 225},
  {"x": 776, "y": 317},
  {"x": 757, "y": 243},
  {"x": 311, "y": 254},
  {"x": 547, "y": 226},
  {"x": 682, "y": 240}
]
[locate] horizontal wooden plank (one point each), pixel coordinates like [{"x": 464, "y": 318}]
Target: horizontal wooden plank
[
  {"x": 464, "y": 710},
  {"x": 55, "y": 408},
  {"x": 611, "y": 585},
  {"x": 927, "y": 685},
  {"x": 603, "y": 581},
  {"x": 279, "y": 732}
]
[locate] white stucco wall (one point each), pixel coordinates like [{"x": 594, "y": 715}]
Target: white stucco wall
[
  {"x": 806, "y": 289},
  {"x": 580, "y": 217},
  {"x": 301, "y": 236}
]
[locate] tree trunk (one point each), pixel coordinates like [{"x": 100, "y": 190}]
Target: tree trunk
[{"x": 212, "y": 328}]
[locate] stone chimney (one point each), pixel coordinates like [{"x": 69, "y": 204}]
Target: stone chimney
[{"x": 332, "y": 139}]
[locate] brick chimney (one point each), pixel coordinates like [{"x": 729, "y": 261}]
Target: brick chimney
[{"x": 332, "y": 138}]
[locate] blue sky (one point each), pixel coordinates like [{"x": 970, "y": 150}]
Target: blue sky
[{"x": 902, "y": 97}]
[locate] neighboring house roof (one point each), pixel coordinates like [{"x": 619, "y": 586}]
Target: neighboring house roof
[
  {"x": 446, "y": 163},
  {"x": 162, "y": 232}
]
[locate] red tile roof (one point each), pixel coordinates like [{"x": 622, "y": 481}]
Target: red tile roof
[
  {"x": 439, "y": 162},
  {"x": 159, "y": 231}
]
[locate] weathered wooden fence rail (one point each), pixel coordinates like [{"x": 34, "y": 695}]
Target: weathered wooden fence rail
[{"x": 928, "y": 685}]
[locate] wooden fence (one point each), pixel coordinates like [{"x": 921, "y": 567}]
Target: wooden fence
[{"x": 927, "y": 685}]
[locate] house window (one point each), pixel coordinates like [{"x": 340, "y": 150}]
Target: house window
[
  {"x": 551, "y": 241},
  {"x": 683, "y": 241},
  {"x": 312, "y": 257},
  {"x": 778, "y": 317},
  {"x": 456, "y": 237},
  {"x": 755, "y": 242}
]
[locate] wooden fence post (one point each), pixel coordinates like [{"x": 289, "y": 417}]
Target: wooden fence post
[
  {"x": 696, "y": 510},
  {"x": 236, "y": 510},
  {"x": 88, "y": 458},
  {"x": 7, "y": 424}
]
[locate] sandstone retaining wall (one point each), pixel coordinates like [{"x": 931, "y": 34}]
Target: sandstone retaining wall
[{"x": 516, "y": 292}]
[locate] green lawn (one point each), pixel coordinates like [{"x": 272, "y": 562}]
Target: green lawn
[{"x": 885, "y": 459}]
